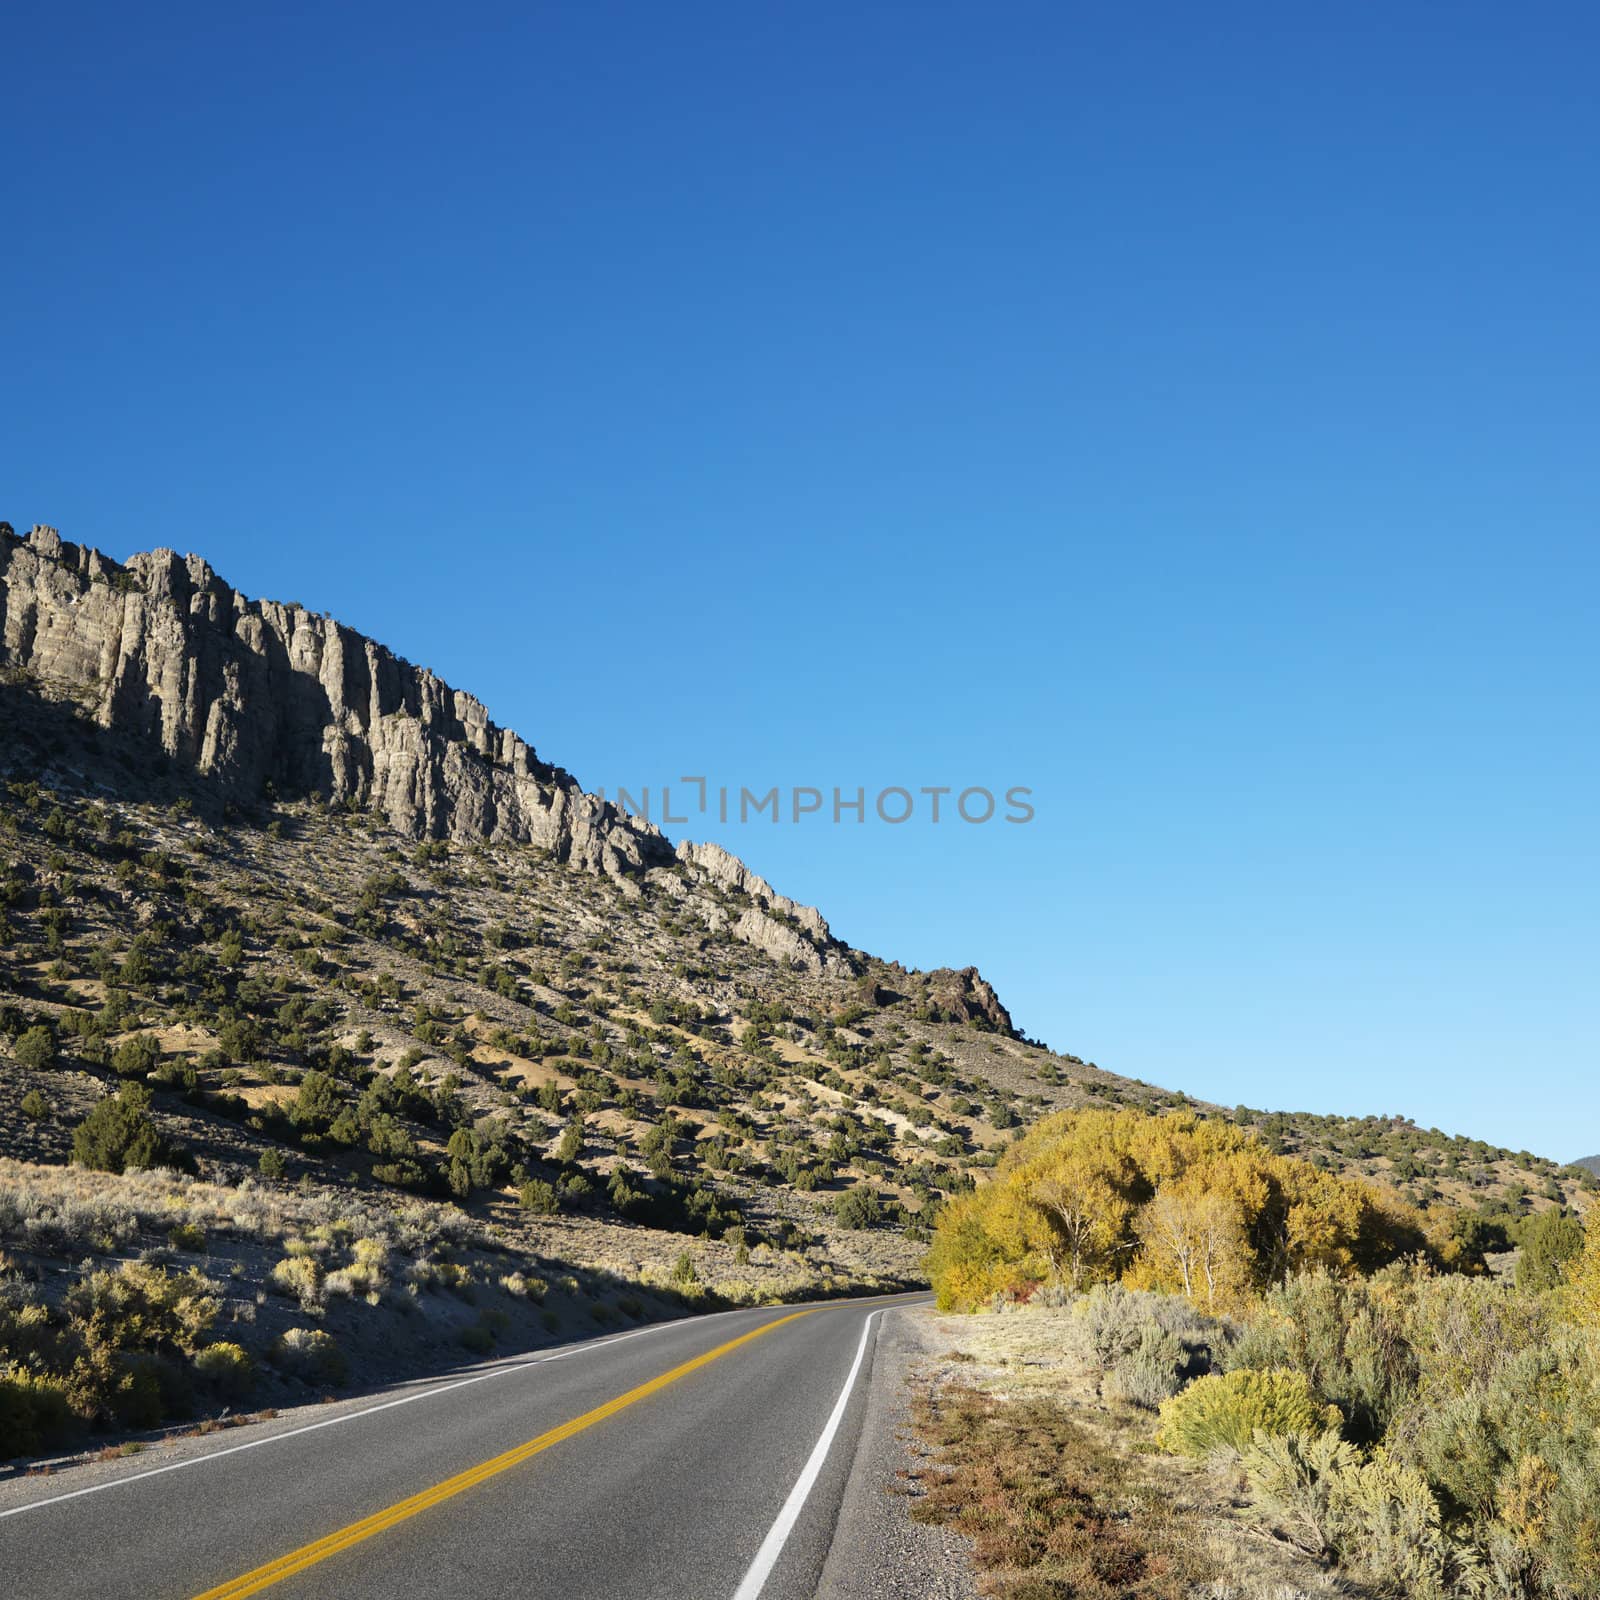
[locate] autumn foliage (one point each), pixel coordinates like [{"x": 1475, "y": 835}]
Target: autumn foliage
[{"x": 1180, "y": 1203}]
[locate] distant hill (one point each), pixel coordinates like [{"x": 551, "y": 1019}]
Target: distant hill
[{"x": 1589, "y": 1164}]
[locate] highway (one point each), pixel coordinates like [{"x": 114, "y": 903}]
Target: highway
[{"x": 704, "y": 1459}]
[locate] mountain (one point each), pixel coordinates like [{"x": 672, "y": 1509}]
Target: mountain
[
  {"x": 438, "y": 1046},
  {"x": 253, "y": 694}
]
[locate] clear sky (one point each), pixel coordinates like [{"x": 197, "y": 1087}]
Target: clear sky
[{"x": 1188, "y": 412}]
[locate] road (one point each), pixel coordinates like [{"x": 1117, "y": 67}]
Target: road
[{"x": 704, "y": 1459}]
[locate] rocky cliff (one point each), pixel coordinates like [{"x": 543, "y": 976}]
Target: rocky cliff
[
  {"x": 252, "y": 694},
  {"x": 258, "y": 698}
]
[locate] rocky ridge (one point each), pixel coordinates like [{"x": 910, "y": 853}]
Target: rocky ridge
[{"x": 260, "y": 698}]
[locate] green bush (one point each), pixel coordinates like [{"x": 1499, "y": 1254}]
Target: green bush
[
  {"x": 317, "y": 1103},
  {"x": 1514, "y": 1455},
  {"x": 1378, "y": 1517},
  {"x": 149, "y": 1389},
  {"x": 1227, "y": 1409},
  {"x": 34, "y": 1412},
  {"x": 119, "y": 1135},
  {"x": 857, "y": 1207},
  {"x": 538, "y": 1197},
  {"x": 570, "y": 1146},
  {"x": 310, "y": 1354},
  {"x": 35, "y": 1106},
  {"x": 136, "y": 1057},
  {"x": 36, "y": 1049},
  {"x": 1349, "y": 1339},
  {"x": 272, "y": 1164},
  {"x": 477, "y": 1337},
  {"x": 1550, "y": 1240}
]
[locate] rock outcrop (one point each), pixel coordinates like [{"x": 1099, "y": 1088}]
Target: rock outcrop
[
  {"x": 259, "y": 698},
  {"x": 965, "y": 995},
  {"x": 785, "y": 929},
  {"x": 728, "y": 871},
  {"x": 254, "y": 695}
]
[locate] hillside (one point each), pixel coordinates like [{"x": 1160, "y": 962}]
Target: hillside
[{"x": 433, "y": 1048}]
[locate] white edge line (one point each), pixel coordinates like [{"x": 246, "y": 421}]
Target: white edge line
[
  {"x": 755, "y": 1579},
  {"x": 355, "y": 1416}
]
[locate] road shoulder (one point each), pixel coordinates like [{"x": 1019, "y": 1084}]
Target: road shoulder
[{"x": 878, "y": 1552}]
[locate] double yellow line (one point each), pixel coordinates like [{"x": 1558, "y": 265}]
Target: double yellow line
[{"x": 309, "y": 1555}]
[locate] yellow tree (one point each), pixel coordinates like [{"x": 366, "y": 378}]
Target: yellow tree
[
  {"x": 1196, "y": 1237},
  {"x": 1315, "y": 1223},
  {"x": 1196, "y": 1244},
  {"x": 1084, "y": 1193}
]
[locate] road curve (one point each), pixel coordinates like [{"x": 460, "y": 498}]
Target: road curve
[{"x": 703, "y": 1459}]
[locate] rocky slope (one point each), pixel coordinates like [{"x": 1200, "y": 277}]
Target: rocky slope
[{"x": 261, "y": 698}]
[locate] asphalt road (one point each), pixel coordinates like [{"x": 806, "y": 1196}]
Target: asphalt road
[{"x": 698, "y": 1460}]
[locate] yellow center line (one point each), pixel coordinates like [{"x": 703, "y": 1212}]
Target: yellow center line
[{"x": 309, "y": 1555}]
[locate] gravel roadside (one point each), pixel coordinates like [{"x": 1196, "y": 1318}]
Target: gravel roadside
[{"x": 878, "y": 1552}]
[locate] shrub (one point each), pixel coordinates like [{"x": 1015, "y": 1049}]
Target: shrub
[
  {"x": 857, "y": 1207},
  {"x": 225, "y": 1369},
  {"x": 121, "y": 1353},
  {"x": 187, "y": 1236},
  {"x": 36, "y": 1049},
  {"x": 119, "y": 1135},
  {"x": 240, "y": 1040},
  {"x": 310, "y": 1354},
  {"x": 1513, "y": 1453},
  {"x": 136, "y": 1057},
  {"x": 300, "y": 1277},
  {"x": 367, "y": 1274},
  {"x": 142, "y": 1307},
  {"x": 1147, "y": 1345},
  {"x": 272, "y": 1165},
  {"x": 1550, "y": 1240},
  {"x": 477, "y": 1338},
  {"x": 570, "y": 1146},
  {"x": 35, "y": 1106},
  {"x": 538, "y": 1197},
  {"x": 1113, "y": 1321},
  {"x": 317, "y": 1103},
  {"x": 1227, "y": 1409},
  {"x": 524, "y": 1287},
  {"x": 1348, "y": 1339},
  {"x": 1378, "y": 1517},
  {"x": 34, "y": 1412},
  {"x": 1152, "y": 1372}
]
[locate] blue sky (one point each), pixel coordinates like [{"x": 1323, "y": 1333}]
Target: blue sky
[{"x": 1190, "y": 415}]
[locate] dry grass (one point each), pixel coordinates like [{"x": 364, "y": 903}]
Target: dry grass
[
  {"x": 1051, "y": 1509},
  {"x": 1059, "y": 1483}
]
